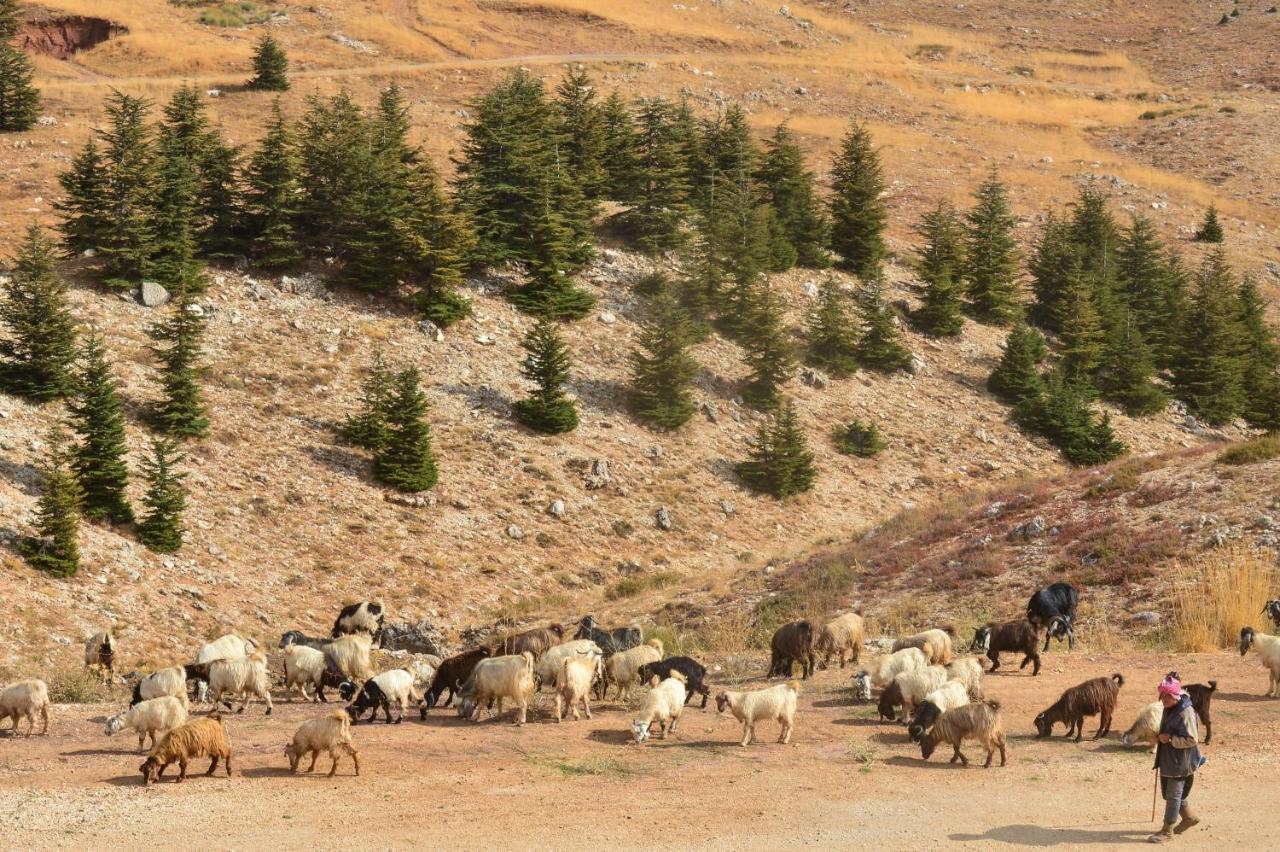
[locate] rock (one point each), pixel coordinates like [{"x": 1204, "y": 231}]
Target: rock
[
  {"x": 598, "y": 476},
  {"x": 918, "y": 366},
  {"x": 556, "y": 509},
  {"x": 431, "y": 330},
  {"x": 413, "y": 501},
  {"x": 990, "y": 465},
  {"x": 485, "y": 339},
  {"x": 152, "y": 294},
  {"x": 801, "y": 90},
  {"x": 607, "y": 318},
  {"x": 514, "y": 532},
  {"x": 711, "y": 411},
  {"x": 303, "y": 285},
  {"x": 89, "y": 253},
  {"x": 663, "y": 518},
  {"x": 195, "y": 310},
  {"x": 47, "y": 121},
  {"x": 726, "y": 507},
  {"x": 418, "y": 637},
  {"x": 1033, "y": 528},
  {"x": 213, "y": 93},
  {"x": 655, "y": 451},
  {"x": 259, "y": 291},
  {"x": 814, "y": 378},
  {"x": 809, "y": 289},
  {"x": 1146, "y": 617},
  {"x": 994, "y": 509}
]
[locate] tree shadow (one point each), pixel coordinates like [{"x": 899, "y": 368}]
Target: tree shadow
[
  {"x": 117, "y": 752},
  {"x": 1042, "y": 835},
  {"x": 26, "y": 477},
  {"x": 482, "y": 398},
  {"x": 340, "y": 460},
  {"x": 604, "y": 395}
]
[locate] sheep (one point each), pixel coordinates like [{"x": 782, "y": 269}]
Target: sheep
[
  {"x": 862, "y": 687},
  {"x": 229, "y": 647},
  {"x": 909, "y": 689},
  {"x": 203, "y": 737},
  {"x": 573, "y": 685},
  {"x": 303, "y": 666},
  {"x": 364, "y": 617},
  {"x": 1053, "y": 609},
  {"x": 892, "y": 665},
  {"x": 171, "y": 681},
  {"x": 297, "y": 637},
  {"x": 449, "y": 676},
  {"x": 980, "y": 721},
  {"x": 100, "y": 654},
  {"x": 243, "y": 677},
  {"x": 949, "y": 696},
  {"x": 536, "y": 641},
  {"x": 695, "y": 675},
  {"x": 1019, "y": 637},
  {"x": 967, "y": 670},
  {"x": 326, "y": 733},
  {"x": 26, "y": 698},
  {"x": 1146, "y": 728},
  {"x": 155, "y": 716},
  {"x": 839, "y": 636},
  {"x": 549, "y": 666},
  {"x": 391, "y": 687},
  {"x": 349, "y": 655},
  {"x": 623, "y": 667},
  {"x": 610, "y": 641},
  {"x": 750, "y": 707},
  {"x": 497, "y": 678},
  {"x": 1268, "y": 650},
  {"x": 1095, "y": 697},
  {"x": 792, "y": 642},
  {"x": 936, "y": 644},
  {"x": 663, "y": 705}
]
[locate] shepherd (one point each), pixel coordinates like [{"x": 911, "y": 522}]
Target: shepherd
[{"x": 1177, "y": 758}]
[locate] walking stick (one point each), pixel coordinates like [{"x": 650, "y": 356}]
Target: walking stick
[{"x": 1155, "y": 791}]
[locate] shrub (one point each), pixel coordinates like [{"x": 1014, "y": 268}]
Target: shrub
[
  {"x": 1249, "y": 452},
  {"x": 1218, "y": 593},
  {"x": 858, "y": 439},
  {"x": 74, "y": 685}
]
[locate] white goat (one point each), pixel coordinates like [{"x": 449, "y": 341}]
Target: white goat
[
  {"x": 327, "y": 733},
  {"x": 574, "y": 684},
  {"x": 393, "y": 687},
  {"x": 26, "y": 698},
  {"x": 351, "y": 655},
  {"x": 552, "y": 661},
  {"x": 155, "y": 716},
  {"x": 663, "y": 705},
  {"x": 244, "y": 677},
  {"x": 912, "y": 687},
  {"x": 171, "y": 681},
  {"x": 1268, "y": 649},
  {"x": 624, "y": 667},
  {"x": 303, "y": 667},
  {"x": 749, "y": 707},
  {"x": 967, "y": 670},
  {"x": 229, "y": 647},
  {"x": 1145, "y": 729},
  {"x": 494, "y": 679},
  {"x": 889, "y": 667}
]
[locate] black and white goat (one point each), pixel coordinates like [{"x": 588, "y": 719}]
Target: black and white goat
[
  {"x": 297, "y": 637},
  {"x": 1053, "y": 610},
  {"x": 695, "y": 674},
  {"x": 1272, "y": 611},
  {"x": 364, "y": 617}
]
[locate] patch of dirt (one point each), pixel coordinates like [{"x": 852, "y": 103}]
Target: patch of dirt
[{"x": 61, "y": 37}]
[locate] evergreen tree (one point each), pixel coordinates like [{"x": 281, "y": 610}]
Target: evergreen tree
[
  {"x": 656, "y": 185},
  {"x": 991, "y": 256},
  {"x": 435, "y": 241},
  {"x": 9, "y": 22},
  {"x": 878, "y": 347},
  {"x": 367, "y": 428},
  {"x": 1094, "y": 232},
  {"x": 54, "y": 549},
  {"x": 938, "y": 265},
  {"x": 1064, "y": 417},
  {"x": 738, "y": 229},
  {"x": 858, "y": 214},
  {"x": 334, "y": 158},
  {"x": 661, "y": 367},
  {"x": 19, "y": 99},
  {"x": 128, "y": 242},
  {"x": 97, "y": 417},
  {"x": 546, "y": 365},
  {"x": 1127, "y": 369},
  {"x": 166, "y": 497},
  {"x": 270, "y": 66},
  {"x": 1016, "y": 377},
  {"x": 405, "y": 460},
  {"x": 780, "y": 463},
  {"x": 617, "y": 147},
  {"x": 1259, "y": 358},
  {"x": 703, "y": 281},
  {"x": 1053, "y": 263},
  {"x": 84, "y": 206},
  {"x": 832, "y": 337},
  {"x": 1147, "y": 287},
  {"x": 788, "y": 188},
  {"x": 723, "y": 148},
  {"x": 181, "y": 146},
  {"x": 1210, "y": 229},
  {"x": 581, "y": 121},
  {"x": 550, "y": 291},
  {"x": 767, "y": 351},
  {"x": 1079, "y": 327},
  {"x": 220, "y": 231},
  {"x": 856, "y": 438},
  {"x": 1207, "y": 372},
  {"x": 181, "y": 411},
  {"x": 271, "y": 198},
  {"x": 38, "y": 348}
]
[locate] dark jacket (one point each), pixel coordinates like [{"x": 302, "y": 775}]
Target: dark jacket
[{"x": 1179, "y": 757}]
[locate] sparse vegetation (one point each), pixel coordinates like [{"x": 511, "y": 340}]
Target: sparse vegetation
[
  {"x": 1250, "y": 452},
  {"x": 1217, "y": 593}
]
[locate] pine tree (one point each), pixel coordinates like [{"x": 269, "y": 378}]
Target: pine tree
[
  {"x": 723, "y": 148},
  {"x": 581, "y": 122},
  {"x": 181, "y": 146},
  {"x": 97, "y": 417},
  {"x": 738, "y": 230},
  {"x": 617, "y": 147},
  {"x": 550, "y": 292},
  {"x": 54, "y": 549},
  {"x": 656, "y": 186},
  {"x": 271, "y": 198},
  {"x": 832, "y": 336},
  {"x": 1147, "y": 287},
  {"x": 1127, "y": 369},
  {"x": 128, "y": 242},
  {"x": 1016, "y": 377},
  {"x": 1052, "y": 264},
  {"x": 19, "y": 99},
  {"x": 856, "y": 438},
  {"x": 546, "y": 365},
  {"x": 38, "y": 348},
  {"x": 1259, "y": 358},
  {"x": 435, "y": 240},
  {"x": 767, "y": 351},
  {"x": 181, "y": 411},
  {"x": 220, "y": 233},
  {"x": 991, "y": 256},
  {"x": 878, "y": 347},
  {"x": 780, "y": 463},
  {"x": 1094, "y": 233},
  {"x": 1207, "y": 372},
  {"x": 405, "y": 460},
  {"x": 334, "y": 153},
  {"x": 661, "y": 367},
  {"x": 270, "y": 66},
  {"x": 367, "y": 428},
  {"x": 84, "y": 206},
  {"x": 938, "y": 265},
  {"x": 1210, "y": 229},
  {"x": 9, "y": 22},
  {"x": 1066, "y": 419},
  {"x": 858, "y": 214},
  {"x": 1079, "y": 327},
  {"x": 166, "y": 497},
  {"x": 788, "y": 188}
]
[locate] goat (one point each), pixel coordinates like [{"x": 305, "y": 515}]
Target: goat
[
  {"x": 327, "y": 733},
  {"x": 936, "y": 644},
  {"x": 297, "y": 637},
  {"x": 203, "y": 737},
  {"x": 25, "y": 699},
  {"x": 1146, "y": 728},
  {"x": 1095, "y": 697},
  {"x": 791, "y": 643},
  {"x": 573, "y": 686},
  {"x": 663, "y": 705},
  {"x": 449, "y": 677},
  {"x": 391, "y": 687},
  {"x": 228, "y": 647},
  {"x": 364, "y": 617},
  {"x": 1272, "y": 611},
  {"x": 155, "y": 716},
  {"x": 549, "y": 667},
  {"x": 100, "y": 654},
  {"x": 1268, "y": 650},
  {"x": 695, "y": 675},
  {"x": 949, "y": 696},
  {"x": 1053, "y": 609},
  {"x": 244, "y": 677},
  {"x": 892, "y": 665},
  {"x": 750, "y": 707},
  {"x": 839, "y": 636},
  {"x": 536, "y": 641},
  {"x": 1019, "y": 637},
  {"x": 497, "y": 678},
  {"x": 171, "y": 681},
  {"x": 610, "y": 641},
  {"x": 622, "y": 667},
  {"x": 980, "y": 721}
]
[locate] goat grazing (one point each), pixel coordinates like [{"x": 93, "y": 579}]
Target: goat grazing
[
  {"x": 1018, "y": 637},
  {"x": 892, "y": 665},
  {"x": 197, "y": 680},
  {"x": 203, "y": 737},
  {"x": 100, "y": 655},
  {"x": 909, "y": 689},
  {"x": 391, "y": 687},
  {"x": 839, "y": 636},
  {"x": 229, "y": 647},
  {"x": 980, "y": 722},
  {"x": 449, "y": 677},
  {"x": 695, "y": 675},
  {"x": 967, "y": 670},
  {"x": 171, "y": 681},
  {"x": 155, "y": 716},
  {"x": 610, "y": 641},
  {"x": 550, "y": 665},
  {"x": 936, "y": 644},
  {"x": 26, "y": 699},
  {"x": 1095, "y": 697},
  {"x": 536, "y": 641},
  {"x": 663, "y": 705},
  {"x": 297, "y": 637},
  {"x": 245, "y": 677},
  {"x": 623, "y": 667},
  {"x": 862, "y": 687},
  {"x": 364, "y": 617},
  {"x": 1145, "y": 730},
  {"x": 1053, "y": 609},
  {"x": 327, "y": 733},
  {"x": 949, "y": 696},
  {"x": 573, "y": 686},
  {"x": 1268, "y": 650},
  {"x": 497, "y": 678},
  {"x": 751, "y": 707},
  {"x": 792, "y": 643}
]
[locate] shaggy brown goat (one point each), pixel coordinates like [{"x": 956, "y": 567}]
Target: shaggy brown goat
[
  {"x": 792, "y": 642},
  {"x": 204, "y": 737},
  {"x": 535, "y": 641},
  {"x": 1095, "y": 697},
  {"x": 980, "y": 721},
  {"x": 1018, "y": 637}
]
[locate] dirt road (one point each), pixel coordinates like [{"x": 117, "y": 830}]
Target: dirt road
[{"x": 845, "y": 780}]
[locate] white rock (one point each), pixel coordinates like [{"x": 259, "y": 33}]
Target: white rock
[
  {"x": 152, "y": 294},
  {"x": 607, "y": 318}
]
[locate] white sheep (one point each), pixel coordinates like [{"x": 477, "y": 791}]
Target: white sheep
[
  {"x": 171, "y": 681},
  {"x": 303, "y": 667},
  {"x": 100, "y": 651},
  {"x": 663, "y": 704},
  {"x": 750, "y": 707},
  {"x": 155, "y": 716},
  {"x": 552, "y": 661},
  {"x": 350, "y": 655},
  {"x": 26, "y": 698},
  {"x": 245, "y": 677},
  {"x": 967, "y": 670},
  {"x": 573, "y": 686},
  {"x": 913, "y": 686},
  {"x": 840, "y": 636},
  {"x": 327, "y": 733},
  {"x": 936, "y": 644},
  {"x": 494, "y": 679},
  {"x": 889, "y": 667},
  {"x": 1146, "y": 728},
  {"x": 229, "y": 647},
  {"x": 1267, "y": 648},
  {"x": 624, "y": 667}
]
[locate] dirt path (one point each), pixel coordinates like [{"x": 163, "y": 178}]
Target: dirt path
[{"x": 845, "y": 780}]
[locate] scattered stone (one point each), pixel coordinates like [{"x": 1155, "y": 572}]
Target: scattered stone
[
  {"x": 607, "y": 318},
  {"x": 994, "y": 509},
  {"x": 1033, "y": 528},
  {"x": 459, "y": 503},
  {"x": 419, "y": 637},
  {"x": 513, "y": 531},
  {"x": 556, "y": 509},
  {"x": 89, "y": 253},
  {"x": 598, "y": 476},
  {"x": 990, "y": 465},
  {"x": 431, "y": 330},
  {"x": 814, "y": 378},
  {"x": 711, "y": 411},
  {"x": 726, "y": 507},
  {"x": 304, "y": 285},
  {"x": 655, "y": 451},
  {"x": 918, "y": 366},
  {"x": 485, "y": 339},
  {"x": 663, "y": 518},
  {"x": 413, "y": 501},
  {"x": 259, "y": 291},
  {"x": 152, "y": 294},
  {"x": 1146, "y": 617},
  {"x": 809, "y": 289}
]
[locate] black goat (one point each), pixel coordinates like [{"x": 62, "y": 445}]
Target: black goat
[
  {"x": 198, "y": 679},
  {"x": 297, "y": 637},
  {"x": 610, "y": 641},
  {"x": 452, "y": 673},
  {"x": 1201, "y": 697},
  {"x": 1272, "y": 611},
  {"x": 330, "y": 679},
  {"x": 792, "y": 643},
  {"x": 695, "y": 674},
  {"x": 1053, "y": 609},
  {"x": 1019, "y": 637},
  {"x": 370, "y": 698}
]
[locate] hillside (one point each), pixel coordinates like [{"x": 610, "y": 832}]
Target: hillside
[{"x": 285, "y": 523}]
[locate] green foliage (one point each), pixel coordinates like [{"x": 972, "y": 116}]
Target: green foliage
[
  {"x": 655, "y": 186},
  {"x": 1152, "y": 286},
  {"x": 334, "y": 153},
  {"x": 991, "y": 256},
  {"x": 1079, "y": 327},
  {"x": 435, "y": 240},
  {"x": 9, "y": 21},
  {"x": 832, "y": 336},
  {"x": 546, "y": 365},
  {"x": 97, "y": 417},
  {"x": 1208, "y": 373},
  {"x": 580, "y": 119},
  {"x": 735, "y": 248},
  {"x": 1127, "y": 370},
  {"x": 939, "y": 265},
  {"x": 38, "y": 348},
  {"x": 878, "y": 347},
  {"x": 367, "y": 428},
  {"x": 181, "y": 410},
  {"x": 617, "y": 146},
  {"x": 270, "y": 66},
  {"x": 780, "y": 463},
  {"x": 1259, "y": 358},
  {"x": 19, "y": 99},
  {"x": 128, "y": 242},
  {"x": 161, "y": 529},
  {"x": 1250, "y": 452},
  {"x": 1053, "y": 263},
  {"x": 1210, "y": 230},
  {"x": 271, "y": 196},
  {"x": 236, "y": 13},
  {"x": 856, "y": 438},
  {"x": 768, "y": 353},
  {"x": 1063, "y": 416},
  {"x": 54, "y": 549},
  {"x": 83, "y": 208},
  {"x": 1016, "y": 378},
  {"x": 722, "y": 148},
  {"x": 789, "y": 189},
  {"x": 661, "y": 367},
  {"x": 858, "y": 214},
  {"x": 405, "y": 460}
]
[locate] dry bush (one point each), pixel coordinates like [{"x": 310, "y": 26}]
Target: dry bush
[
  {"x": 75, "y": 685},
  {"x": 1216, "y": 594},
  {"x": 1249, "y": 452}
]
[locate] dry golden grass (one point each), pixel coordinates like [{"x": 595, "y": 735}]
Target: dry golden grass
[{"x": 1216, "y": 595}]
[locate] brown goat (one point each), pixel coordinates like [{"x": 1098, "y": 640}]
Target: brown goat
[
  {"x": 978, "y": 721},
  {"x": 792, "y": 642},
  {"x": 535, "y": 641},
  {"x": 1095, "y": 697},
  {"x": 204, "y": 737}
]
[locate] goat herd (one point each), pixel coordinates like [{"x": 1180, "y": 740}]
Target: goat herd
[{"x": 922, "y": 682}]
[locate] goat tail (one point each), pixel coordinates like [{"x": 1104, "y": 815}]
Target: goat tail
[
  {"x": 1118, "y": 678},
  {"x": 993, "y": 703},
  {"x": 1213, "y": 685}
]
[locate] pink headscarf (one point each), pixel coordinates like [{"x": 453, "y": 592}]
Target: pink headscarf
[{"x": 1169, "y": 686}]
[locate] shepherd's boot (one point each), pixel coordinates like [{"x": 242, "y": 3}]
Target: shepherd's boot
[
  {"x": 1189, "y": 820},
  {"x": 1163, "y": 834}
]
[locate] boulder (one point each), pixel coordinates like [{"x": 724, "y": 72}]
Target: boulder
[
  {"x": 663, "y": 518},
  {"x": 152, "y": 294},
  {"x": 419, "y": 637}
]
